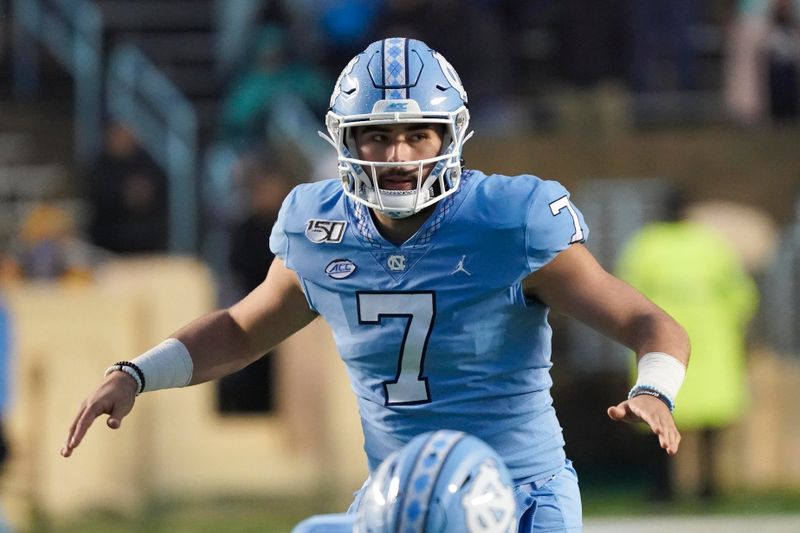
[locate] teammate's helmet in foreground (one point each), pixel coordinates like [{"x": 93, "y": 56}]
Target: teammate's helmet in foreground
[
  {"x": 396, "y": 81},
  {"x": 442, "y": 481}
]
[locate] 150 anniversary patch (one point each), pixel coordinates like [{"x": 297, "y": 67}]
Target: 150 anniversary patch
[{"x": 321, "y": 231}]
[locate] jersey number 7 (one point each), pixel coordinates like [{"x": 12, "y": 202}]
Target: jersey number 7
[
  {"x": 409, "y": 386},
  {"x": 558, "y": 206}
]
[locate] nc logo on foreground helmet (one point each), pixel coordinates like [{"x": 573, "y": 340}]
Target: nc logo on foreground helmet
[
  {"x": 440, "y": 482},
  {"x": 398, "y": 81}
]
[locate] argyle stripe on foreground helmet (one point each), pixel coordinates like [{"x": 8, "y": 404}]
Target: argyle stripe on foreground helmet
[{"x": 441, "y": 482}]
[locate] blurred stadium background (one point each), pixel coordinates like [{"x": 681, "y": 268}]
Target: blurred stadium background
[{"x": 144, "y": 145}]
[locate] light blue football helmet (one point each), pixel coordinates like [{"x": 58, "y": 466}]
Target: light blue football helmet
[
  {"x": 395, "y": 81},
  {"x": 441, "y": 482}
]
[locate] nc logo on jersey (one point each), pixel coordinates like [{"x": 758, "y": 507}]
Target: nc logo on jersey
[
  {"x": 340, "y": 268},
  {"x": 396, "y": 263},
  {"x": 320, "y": 231}
]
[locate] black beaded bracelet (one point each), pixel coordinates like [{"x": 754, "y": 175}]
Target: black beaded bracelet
[
  {"x": 135, "y": 369},
  {"x": 651, "y": 391}
]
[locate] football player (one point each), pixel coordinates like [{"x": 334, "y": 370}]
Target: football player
[{"x": 436, "y": 281}]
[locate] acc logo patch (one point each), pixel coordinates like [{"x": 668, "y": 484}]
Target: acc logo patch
[
  {"x": 396, "y": 106},
  {"x": 340, "y": 268},
  {"x": 319, "y": 231}
]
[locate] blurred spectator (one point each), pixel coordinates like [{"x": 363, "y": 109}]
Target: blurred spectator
[
  {"x": 693, "y": 274},
  {"x": 47, "y": 248},
  {"x": 265, "y": 184},
  {"x": 269, "y": 73},
  {"x": 743, "y": 89},
  {"x": 446, "y": 25},
  {"x": 762, "y": 60},
  {"x": 661, "y": 49},
  {"x": 128, "y": 196},
  {"x": 591, "y": 41},
  {"x": 783, "y": 61},
  {"x": 348, "y": 26},
  {"x": 332, "y": 31},
  {"x": 238, "y": 20}
]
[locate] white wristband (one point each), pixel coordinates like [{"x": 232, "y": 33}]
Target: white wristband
[
  {"x": 660, "y": 372},
  {"x": 165, "y": 366}
]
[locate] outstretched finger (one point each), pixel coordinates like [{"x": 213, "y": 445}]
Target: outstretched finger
[
  {"x": 665, "y": 443},
  {"x": 82, "y": 425},
  {"x": 667, "y": 433},
  {"x": 676, "y": 442},
  {"x": 74, "y": 424},
  {"x": 66, "y": 450},
  {"x": 669, "y": 440}
]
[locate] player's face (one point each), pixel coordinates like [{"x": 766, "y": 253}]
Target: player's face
[{"x": 396, "y": 143}]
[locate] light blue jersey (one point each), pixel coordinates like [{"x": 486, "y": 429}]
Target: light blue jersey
[
  {"x": 436, "y": 332},
  {"x": 5, "y": 356}
]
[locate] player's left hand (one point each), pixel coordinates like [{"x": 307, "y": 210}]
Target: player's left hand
[{"x": 652, "y": 412}]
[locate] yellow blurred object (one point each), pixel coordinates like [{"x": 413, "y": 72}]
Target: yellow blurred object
[
  {"x": 76, "y": 276},
  {"x": 46, "y": 222},
  {"x": 692, "y": 272},
  {"x": 47, "y": 248}
]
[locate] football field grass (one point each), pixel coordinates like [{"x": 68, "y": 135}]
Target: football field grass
[{"x": 605, "y": 512}]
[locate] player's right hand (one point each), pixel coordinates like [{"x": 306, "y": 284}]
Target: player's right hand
[
  {"x": 654, "y": 413},
  {"x": 114, "y": 397}
]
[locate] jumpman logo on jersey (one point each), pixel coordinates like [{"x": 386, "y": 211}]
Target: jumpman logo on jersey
[{"x": 460, "y": 267}]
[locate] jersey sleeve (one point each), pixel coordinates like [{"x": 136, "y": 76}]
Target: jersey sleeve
[
  {"x": 279, "y": 239},
  {"x": 553, "y": 223}
]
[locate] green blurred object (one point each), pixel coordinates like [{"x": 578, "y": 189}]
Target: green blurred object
[
  {"x": 269, "y": 73},
  {"x": 693, "y": 274}
]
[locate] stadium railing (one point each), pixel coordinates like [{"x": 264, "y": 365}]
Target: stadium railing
[
  {"x": 291, "y": 121},
  {"x": 165, "y": 122},
  {"x": 236, "y": 22},
  {"x": 291, "y": 124},
  {"x": 220, "y": 205},
  {"x": 72, "y": 31}
]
